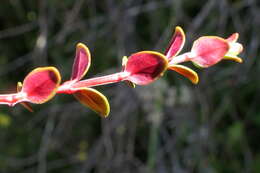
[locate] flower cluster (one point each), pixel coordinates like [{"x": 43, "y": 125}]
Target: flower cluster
[{"x": 140, "y": 68}]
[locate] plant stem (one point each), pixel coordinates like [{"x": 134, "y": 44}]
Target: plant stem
[
  {"x": 10, "y": 99},
  {"x": 103, "y": 80},
  {"x": 181, "y": 58},
  {"x": 70, "y": 86}
]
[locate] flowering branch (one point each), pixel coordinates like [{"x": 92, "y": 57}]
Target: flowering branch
[{"x": 141, "y": 68}]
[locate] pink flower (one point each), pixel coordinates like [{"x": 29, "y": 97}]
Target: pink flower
[
  {"x": 209, "y": 50},
  {"x": 205, "y": 52}
]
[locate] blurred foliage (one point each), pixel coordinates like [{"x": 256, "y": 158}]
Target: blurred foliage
[{"x": 168, "y": 126}]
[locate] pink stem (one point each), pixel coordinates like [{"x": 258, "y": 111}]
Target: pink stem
[
  {"x": 103, "y": 80},
  {"x": 68, "y": 87},
  {"x": 10, "y": 99},
  {"x": 181, "y": 58}
]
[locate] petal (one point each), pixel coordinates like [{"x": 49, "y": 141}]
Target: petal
[
  {"x": 185, "y": 71},
  {"x": 41, "y": 84},
  {"x": 233, "y": 58},
  {"x": 208, "y": 50},
  {"x": 233, "y": 38},
  {"x": 94, "y": 100},
  {"x": 235, "y": 48},
  {"x": 176, "y": 43},
  {"x": 81, "y": 62},
  {"x": 145, "y": 67},
  {"x": 24, "y": 104}
]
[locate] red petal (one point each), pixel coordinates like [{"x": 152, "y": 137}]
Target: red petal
[
  {"x": 40, "y": 85},
  {"x": 176, "y": 43},
  {"x": 209, "y": 50},
  {"x": 94, "y": 100},
  {"x": 233, "y": 38},
  {"x": 81, "y": 62},
  {"x": 145, "y": 67}
]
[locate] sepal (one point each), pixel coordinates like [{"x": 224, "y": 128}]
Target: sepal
[
  {"x": 186, "y": 72},
  {"x": 41, "y": 84},
  {"x": 176, "y": 44},
  {"x": 94, "y": 100},
  {"x": 233, "y": 58},
  {"x": 81, "y": 63},
  {"x": 145, "y": 67}
]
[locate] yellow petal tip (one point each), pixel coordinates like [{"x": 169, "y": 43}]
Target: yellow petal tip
[
  {"x": 233, "y": 58},
  {"x": 186, "y": 72},
  {"x": 94, "y": 100}
]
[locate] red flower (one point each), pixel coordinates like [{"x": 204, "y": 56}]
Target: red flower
[{"x": 38, "y": 87}]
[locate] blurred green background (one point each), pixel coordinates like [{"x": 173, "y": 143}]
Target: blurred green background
[{"x": 168, "y": 126}]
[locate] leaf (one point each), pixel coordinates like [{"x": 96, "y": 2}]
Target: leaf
[
  {"x": 81, "y": 63},
  {"x": 208, "y": 50},
  {"x": 185, "y": 71},
  {"x": 94, "y": 100},
  {"x": 176, "y": 44},
  {"x": 41, "y": 84},
  {"x": 145, "y": 67}
]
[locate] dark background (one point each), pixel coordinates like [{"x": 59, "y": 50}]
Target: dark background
[{"x": 168, "y": 126}]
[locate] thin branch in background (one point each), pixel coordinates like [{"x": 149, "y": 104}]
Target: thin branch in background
[
  {"x": 45, "y": 143},
  {"x": 18, "y": 30},
  {"x": 40, "y": 50},
  {"x": 70, "y": 19},
  {"x": 15, "y": 64},
  {"x": 198, "y": 20}
]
